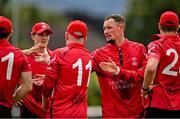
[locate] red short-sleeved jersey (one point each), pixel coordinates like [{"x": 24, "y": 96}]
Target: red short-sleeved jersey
[
  {"x": 12, "y": 63},
  {"x": 68, "y": 74},
  {"x": 167, "y": 50},
  {"x": 33, "y": 101},
  {"x": 120, "y": 95}
]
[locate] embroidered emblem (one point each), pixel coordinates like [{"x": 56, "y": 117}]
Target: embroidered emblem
[
  {"x": 44, "y": 26},
  {"x": 134, "y": 61}
]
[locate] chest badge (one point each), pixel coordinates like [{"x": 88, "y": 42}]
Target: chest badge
[{"x": 134, "y": 61}]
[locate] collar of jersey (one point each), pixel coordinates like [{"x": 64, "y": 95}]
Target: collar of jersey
[
  {"x": 4, "y": 42},
  {"x": 123, "y": 46},
  {"x": 167, "y": 36}
]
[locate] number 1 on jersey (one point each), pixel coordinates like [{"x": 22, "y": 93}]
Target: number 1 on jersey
[{"x": 10, "y": 58}]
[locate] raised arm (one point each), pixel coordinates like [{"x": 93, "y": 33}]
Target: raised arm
[{"x": 122, "y": 73}]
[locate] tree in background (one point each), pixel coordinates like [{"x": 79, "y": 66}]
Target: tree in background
[
  {"x": 3, "y": 5},
  {"x": 143, "y": 16}
]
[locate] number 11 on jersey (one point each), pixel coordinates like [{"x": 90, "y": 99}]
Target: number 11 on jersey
[{"x": 78, "y": 64}]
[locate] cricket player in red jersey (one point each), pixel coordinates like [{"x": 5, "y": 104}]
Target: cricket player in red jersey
[
  {"x": 120, "y": 68},
  {"x": 14, "y": 67},
  {"x": 69, "y": 73},
  {"x": 38, "y": 56},
  {"x": 163, "y": 70}
]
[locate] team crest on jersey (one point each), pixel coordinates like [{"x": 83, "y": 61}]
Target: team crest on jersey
[
  {"x": 134, "y": 61},
  {"x": 151, "y": 49}
]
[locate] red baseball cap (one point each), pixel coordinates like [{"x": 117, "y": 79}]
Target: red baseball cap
[
  {"x": 41, "y": 27},
  {"x": 5, "y": 25},
  {"x": 77, "y": 29},
  {"x": 169, "y": 18}
]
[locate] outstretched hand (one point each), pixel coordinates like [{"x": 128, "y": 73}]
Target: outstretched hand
[
  {"x": 39, "y": 80},
  {"x": 33, "y": 49},
  {"x": 109, "y": 66}
]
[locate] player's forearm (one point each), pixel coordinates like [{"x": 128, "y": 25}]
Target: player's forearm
[
  {"x": 22, "y": 91},
  {"x": 150, "y": 72},
  {"x": 148, "y": 78},
  {"x": 27, "y": 52},
  {"x": 25, "y": 87},
  {"x": 130, "y": 74}
]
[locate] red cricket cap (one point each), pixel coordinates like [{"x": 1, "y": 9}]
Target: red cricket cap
[
  {"x": 169, "y": 18},
  {"x": 77, "y": 29},
  {"x": 41, "y": 27},
  {"x": 5, "y": 25}
]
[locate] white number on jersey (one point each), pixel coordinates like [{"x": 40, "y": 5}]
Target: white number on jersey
[
  {"x": 78, "y": 64},
  {"x": 167, "y": 70},
  {"x": 10, "y": 58},
  {"x": 89, "y": 66}
]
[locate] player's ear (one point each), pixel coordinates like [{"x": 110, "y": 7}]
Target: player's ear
[
  {"x": 159, "y": 26},
  {"x": 66, "y": 35},
  {"x": 85, "y": 38},
  {"x": 32, "y": 37}
]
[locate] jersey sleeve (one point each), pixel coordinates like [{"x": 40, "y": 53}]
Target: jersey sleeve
[
  {"x": 153, "y": 51},
  {"x": 25, "y": 65},
  {"x": 95, "y": 63},
  {"x": 135, "y": 74},
  {"x": 130, "y": 74},
  {"x": 51, "y": 76}
]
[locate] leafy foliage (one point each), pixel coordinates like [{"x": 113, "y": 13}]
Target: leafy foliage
[
  {"x": 143, "y": 17},
  {"x": 93, "y": 91}
]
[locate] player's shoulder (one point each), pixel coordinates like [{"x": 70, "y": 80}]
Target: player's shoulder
[
  {"x": 95, "y": 52},
  {"x": 156, "y": 42},
  {"x": 61, "y": 50},
  {"x": 136, "y": 44},
  {"x": 101, "y": 49},
  {"x": 16, "y": 50},
  {"x": 132, "y": 42}
]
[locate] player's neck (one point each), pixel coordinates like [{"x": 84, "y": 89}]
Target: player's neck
[
  {"x": 120, "y": 41},
  {"x": 42, "y": 50},
  {"x": 73, "y": 41},
  {"x": 167, "y": 32}
]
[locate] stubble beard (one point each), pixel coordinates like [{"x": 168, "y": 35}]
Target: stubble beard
[{"x": 111, "y": 41}]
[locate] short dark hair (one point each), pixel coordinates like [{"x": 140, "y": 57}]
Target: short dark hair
[
  {"x": 2, "y": 34},
  {"x": 117, "y": 18},
  {"x": 169, "y": 29}
]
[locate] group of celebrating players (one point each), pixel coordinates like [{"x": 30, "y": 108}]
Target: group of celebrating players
[{"x": 134, "y": 83}]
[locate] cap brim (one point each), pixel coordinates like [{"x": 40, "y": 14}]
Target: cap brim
[
  {"x": 42, "y": 30},
  {"x": 77, "y": 35}
]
